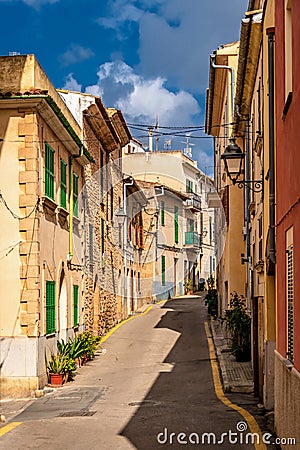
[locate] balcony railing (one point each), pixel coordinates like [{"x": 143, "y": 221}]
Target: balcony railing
[
  {"x": 194, "y": 202},
  {"x": 192, "y": 239}
]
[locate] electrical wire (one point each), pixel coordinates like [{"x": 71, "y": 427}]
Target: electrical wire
[
  {"x": 15, "y": 216},
  {"x": 9, "y": 249}
]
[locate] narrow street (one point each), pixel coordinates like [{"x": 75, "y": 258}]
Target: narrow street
[{"x": 154, "y": 377}]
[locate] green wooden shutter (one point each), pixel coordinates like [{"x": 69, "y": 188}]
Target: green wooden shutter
[
  {"x": 163, "y": 270},
  {"x": 75, "y": 194},
  {"x": 49, "y": 171},
  {"x": 75, "y": 300},
  {"x": 63, "y": 183},
  {"x": 176, "y": 224},
  {"x": 162, "y": 213},
  {"x": 50, "y": 307}
]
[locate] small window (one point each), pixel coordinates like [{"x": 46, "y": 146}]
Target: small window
[
  {"x": 176, "y": 237},
  {"x": 111, "y": 202},
  {"x": 91, "y": 247},
  {"x": 50, "y": 307},
  {"x": 63, "y": 183},
  {"x": 75, "y": 194},
  {"x": 189, "y": 186},
  {"x": 49, "y": 171},
  {"x": 75, "y": 304},
  {"x": 101, "y": 174},
  {"x": 163, "y": 270},
  {"x": 102, "y": 237}
]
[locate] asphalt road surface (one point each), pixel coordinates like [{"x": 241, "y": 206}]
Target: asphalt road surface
[{"x": 152, "y": 388}]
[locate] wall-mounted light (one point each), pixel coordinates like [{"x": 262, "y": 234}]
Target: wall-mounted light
[{"x": 233, "y": 158}]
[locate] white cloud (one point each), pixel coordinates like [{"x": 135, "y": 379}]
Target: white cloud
[
  {"x": 176, "y": 36},
  {"x": 75, "y": 53},
  {"x": 71, "y": 84},
  {"x": 141, "y": 99},
  {"x": 121, "y": 11}
]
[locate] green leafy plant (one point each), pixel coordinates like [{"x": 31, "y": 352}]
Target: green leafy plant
[
  {"x": 90, "y": 343},
  {"x": 211, "y": 298},
  {"x": 188, "y": 286},
  {"x": 56, "y": 364},
  {"x": 238, "y": 323}
]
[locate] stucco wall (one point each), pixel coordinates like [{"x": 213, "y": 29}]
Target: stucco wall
[{"x": 287, "y": 401}]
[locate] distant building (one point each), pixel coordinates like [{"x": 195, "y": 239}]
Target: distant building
[
  {"x": 230, "y": 245},
  {"x": 182, "y": 231}
]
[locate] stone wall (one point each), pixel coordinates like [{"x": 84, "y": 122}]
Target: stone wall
[
  {"x": 101, "y": 299},
  {"x": 29, "y": 228}
]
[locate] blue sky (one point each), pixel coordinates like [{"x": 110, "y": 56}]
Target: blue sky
[{"x": 145, "y": 57}]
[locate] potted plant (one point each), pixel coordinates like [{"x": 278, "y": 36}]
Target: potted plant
[
  {"x": 238, "y": 323},
  {"x": 188, "y": 287},
  {"x": 211, "y": 298},
  {"x": 56, "y": 368}
]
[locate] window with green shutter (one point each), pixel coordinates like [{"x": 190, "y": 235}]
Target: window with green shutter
[
  {"x": 163, "y": 270},
  {"x": 49, "y": 171},
  {"x": 75, "y": 194},
  {"x": 75, "y": 300},
  {"x": 162, "y": 213},
  {"x": 176, "y": 224},
  {"x": 63, "y": 183},
  {"x": 50, "y": 307},
  {"x": 189, "y": 186}
]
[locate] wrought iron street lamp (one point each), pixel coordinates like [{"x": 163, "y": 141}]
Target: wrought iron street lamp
[{"x": 233, "y": 158}]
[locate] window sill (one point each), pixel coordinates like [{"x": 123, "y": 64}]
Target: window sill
[
  {"x": 49, "y": 203},
  {"x": 50, "y": 335},
  {"x": 76, "y": 220},
  {"x": 62, "y": 211}
]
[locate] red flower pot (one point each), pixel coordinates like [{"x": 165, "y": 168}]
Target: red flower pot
[{"x": 56, "y": 379}]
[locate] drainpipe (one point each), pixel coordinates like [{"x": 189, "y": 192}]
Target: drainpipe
[
  {"x": 231, "y": 70},
  {"x": 71, "y": 202},
  {"x": 271, "y": 95}
]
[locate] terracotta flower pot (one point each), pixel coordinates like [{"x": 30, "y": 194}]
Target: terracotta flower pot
[{"x": 56, "y": 379}]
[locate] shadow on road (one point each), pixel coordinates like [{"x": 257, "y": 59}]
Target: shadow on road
[{"x": 183, "y": 400}]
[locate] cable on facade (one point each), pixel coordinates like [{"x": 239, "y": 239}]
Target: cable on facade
[
  {"x": 15, "y": 216},
  {"x": 9, "y": 249}
]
